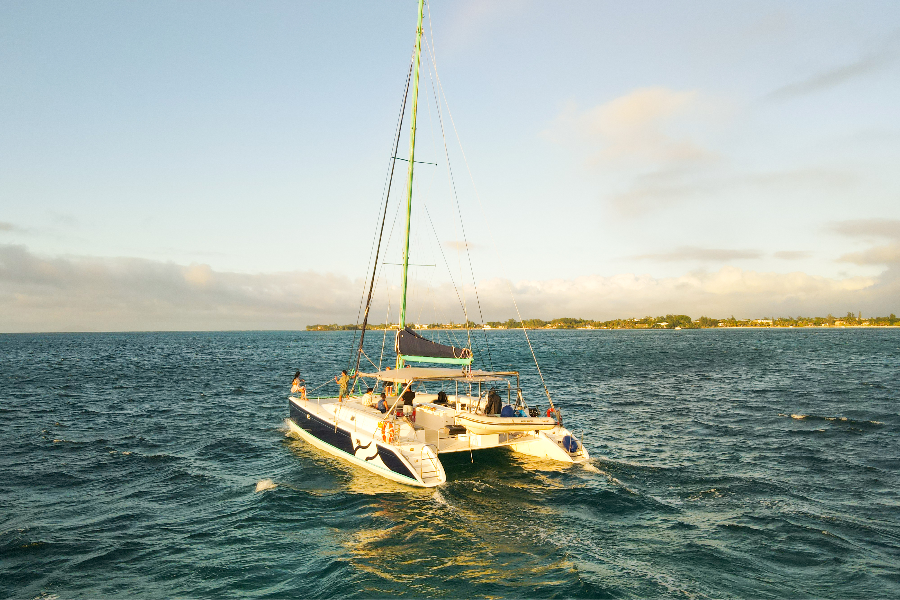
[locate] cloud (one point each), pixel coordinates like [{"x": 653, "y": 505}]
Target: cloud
[
  {"x": 667, "y": 187},
  {"x": 460, "y": 246},
  {"x": 115, "y": 294},
  {"x": 4, "y": 226},
  {"x": 469, "y": 21},
  {"x": 728, "y": 291},
  {"x": 695, "y": 253},
  {"x": 834, "y": 77},
  {"x": 792, "y": 254},
  {"x": 639, "y": 127},
  {"x": 123, "y": 294},
  {"x": 871, "y": 229},
  {"x": 880, "y": 255}
]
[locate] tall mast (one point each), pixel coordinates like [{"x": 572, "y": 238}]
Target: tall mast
[{"x": 412, "y": 156}]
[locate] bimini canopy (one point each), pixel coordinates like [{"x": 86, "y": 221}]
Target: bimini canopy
[
  {"x": 413, "y": 347},
  {"x": 435, "y": 373}
]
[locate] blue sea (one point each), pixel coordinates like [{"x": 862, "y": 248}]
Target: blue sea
[{"x": 726, "y": 464}]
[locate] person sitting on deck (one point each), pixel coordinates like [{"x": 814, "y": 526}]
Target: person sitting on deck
[
  {"x": 382, "y": 403},
  {"x": 342, "y": 382},
  {"x": 298, "y": 386},
  {"x": 368, "y": 398},
  {"x": 408, "y": 397}
]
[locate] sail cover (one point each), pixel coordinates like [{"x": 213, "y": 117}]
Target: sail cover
[{"x": 411, "y": 344}]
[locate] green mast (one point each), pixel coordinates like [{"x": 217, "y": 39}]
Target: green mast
[{"x": 412, "y": 156}]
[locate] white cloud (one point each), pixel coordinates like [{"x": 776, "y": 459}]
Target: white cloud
[
  {"x": 103, "y": 294},
  {"x": 121, "y": 294},
  {"x": 637, "y": 128},
  {"x": 879, "y": 255},
  {"x": 792, "y": 254},
  {"x": 725, "y": 292},
  {"x": 8, "y": 227},
  {"x": 460, "y": 246},
  {"x": 879, "y": 60},
  {"x": 870, "y": 230},
  {"x": 695, "y": 253},
  {"x": 651, "y": 147},
  {"x": 667, "y": 187}
]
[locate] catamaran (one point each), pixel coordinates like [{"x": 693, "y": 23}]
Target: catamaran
[{"x": 430, "y": 410}]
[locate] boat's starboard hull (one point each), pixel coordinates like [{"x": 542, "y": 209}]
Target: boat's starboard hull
[{"x": 488, "y": 424}]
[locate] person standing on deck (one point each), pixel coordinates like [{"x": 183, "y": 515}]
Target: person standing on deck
[
  {"x": 342, "y": 382},
  {"x": 408, "y": 397},
  {"x": 388, "y": 385}
]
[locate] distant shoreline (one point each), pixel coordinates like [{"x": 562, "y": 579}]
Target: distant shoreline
[
  {"x": 636, "y": 328},
  {"x": 671, "y": 322}
]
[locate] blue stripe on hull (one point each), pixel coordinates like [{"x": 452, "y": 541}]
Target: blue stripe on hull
[{"x": 340, "y": 438}]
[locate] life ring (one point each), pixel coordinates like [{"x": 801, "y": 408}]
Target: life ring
[
  {"x": 554, "y": 413},
  {"x": 387, "y": 431}
]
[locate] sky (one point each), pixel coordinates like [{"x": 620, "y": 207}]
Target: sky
[{"x": 222, "y": 165}]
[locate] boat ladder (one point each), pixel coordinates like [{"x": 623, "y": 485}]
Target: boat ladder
[{"x": 427, "y": 464}]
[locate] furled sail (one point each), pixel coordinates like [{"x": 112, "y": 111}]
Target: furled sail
[{"x": 413, "y": 347}]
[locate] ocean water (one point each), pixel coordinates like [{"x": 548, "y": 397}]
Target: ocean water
[{"x": 739, "y": 463}]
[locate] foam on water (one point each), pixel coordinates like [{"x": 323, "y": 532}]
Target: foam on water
[{"x": 265, "y": 484}]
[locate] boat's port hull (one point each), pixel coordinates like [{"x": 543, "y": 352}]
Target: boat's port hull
[{"x": 359, "y": 449}]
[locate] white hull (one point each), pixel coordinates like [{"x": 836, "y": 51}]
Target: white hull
[
  {"x": 353, "y": 432},
  {"x": 486, "y": 425}
]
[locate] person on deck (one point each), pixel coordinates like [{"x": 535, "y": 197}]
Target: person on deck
[
  {"x": 408, "y": 397},
  {"x": 298, "y": 386},
  {"x": 342, "y": 382},
  {"x": 368, "y": 398},
  {"x": 382, "y": 403},
  {"x": 388, "y": 385}
]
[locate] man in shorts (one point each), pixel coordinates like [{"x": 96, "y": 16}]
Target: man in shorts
[{"x": 342, "y": 382}]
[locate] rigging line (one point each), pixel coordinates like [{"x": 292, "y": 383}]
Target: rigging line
[
  {"x": 369, "y": 359},
  {"x": 463, "y": 292},
  {"x": 384, "y": 336},
  {"x": 421, "y": 282},
  {"x": 429, "y": 293},
  {"x": 483, "y": 216},
  {"x": 449, "y": 271},
  {"x": 320, "y": 386},
  {"x": 430, "y": 53},
  {"x": 362, "y": 334},
  {"x": 385, "y": 197}
]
